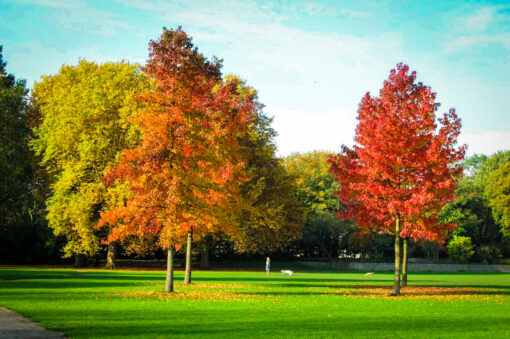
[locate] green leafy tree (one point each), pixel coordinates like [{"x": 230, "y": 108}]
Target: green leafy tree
[
  {"x": 23, "y": 233},
  {"x": 460, "y": 248},
  {"x": 471, "y": 211},
  {"x": 83, "y": 124},
  {"x": 316, "y": 188},
  {"x": 271, "y": 214},
  {"x": 497, "y": 195},
  {"x": 487, "y": 165},
  {"x": 316, "y": 185},
  {"x": 323, "y": 235}
]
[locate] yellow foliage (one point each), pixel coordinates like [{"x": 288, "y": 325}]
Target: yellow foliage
[{"x": 85, "y": 113}]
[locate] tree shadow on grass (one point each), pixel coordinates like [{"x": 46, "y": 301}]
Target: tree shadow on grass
[
  {"x": 68, "y": 279},
  {"x": 378, "y": 290},
  {"x": 81, "y": 275},
  {"x": 270, "y": 280},
  {"x": 388, "y": 284},
  {"x": 130, "y": 277},
  {"x": 67, "y": 284}
]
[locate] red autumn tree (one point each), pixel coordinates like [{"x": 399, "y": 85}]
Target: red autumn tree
[
  {"x": 402, "y": 169},
  {"x": 184, "y": 177}
]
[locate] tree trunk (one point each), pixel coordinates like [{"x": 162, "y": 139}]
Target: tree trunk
[
  {"x": 435, "y": 256},
  {"x": 396, "y": 286},
  {"x": 95, "y": 260},
  {"x": 204, "y": 255},
  {"x": 169, "y": 284},
  {"x": 404, "y": 264},
  {"x": 187, "y": 276},
  {"x": 111, "y": 256},
  {"x": 80, "y": 260}
]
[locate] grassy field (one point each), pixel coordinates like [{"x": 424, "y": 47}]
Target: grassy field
[{"x": 98, "y": 303}]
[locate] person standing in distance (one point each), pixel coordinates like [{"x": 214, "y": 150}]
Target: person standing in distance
[{"x": 268, "y": 266}]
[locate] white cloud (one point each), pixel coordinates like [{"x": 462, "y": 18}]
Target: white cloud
[
  {"x": 79, "y": 15},
  {"x": 480, "y": 20},
  {"x": 502, "y": 39},
  {"x": 318, "y": 9},
  {"x": 300, "y": 131},
  {"x": 482, "y": 27},
  {"x": 355, "y": 14},
  {"x": 53, "y": 3},
  {"x": 486, "y": 142}
]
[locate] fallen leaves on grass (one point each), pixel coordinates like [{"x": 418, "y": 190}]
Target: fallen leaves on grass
[
  {"x": 442, "y": 293},
  {"x": 238, "y": 292},
  {"x": 196, "y": 291},
  {"x": 415, "y": 292}
]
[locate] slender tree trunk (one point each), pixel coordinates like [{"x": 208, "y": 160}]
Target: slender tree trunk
[
  {"x": 169, "y": 284},
  {"x": 80, "y": 260},
  {"x": 111, "y": 256},
  {"x": 204, "y": 255},
  {"x": 435, "y": 255},
  {"x": 95, "y": 261},
  {"x": 404, "y": 264},
  {"x": 187, "y": 276},
  {"x": 396, "y": 286}
]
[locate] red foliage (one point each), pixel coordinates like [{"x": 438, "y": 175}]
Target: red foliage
[
  {"x": 401, "y": 164},
  {"x": 188, "y": 164}
]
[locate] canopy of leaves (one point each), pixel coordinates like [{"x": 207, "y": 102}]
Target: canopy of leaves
[
  {"x": 316, "y": 185},
  {"x": 20, "y": 233},
  {"x": 316, "y": 188},
  {"x": 460, "y": 248},
  {"x": 186, "y": 172},
  {"x": 24, "y": 236},
  {"x": 400, "y": 165},
  {"x": 14, "y": 134},
  {"x": 472, "y": 213},
  {"x": 83, "y": 124},
  {"x": 272, "y": 215},
  {"x": 497, "y": 195}
]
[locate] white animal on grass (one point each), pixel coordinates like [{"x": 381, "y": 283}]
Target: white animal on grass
[
  {"x": 369, "y": 274},
  {"x": 289, "y": 272}
]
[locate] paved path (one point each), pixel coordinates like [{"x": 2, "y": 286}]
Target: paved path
[{"x": 13, "y": 325}]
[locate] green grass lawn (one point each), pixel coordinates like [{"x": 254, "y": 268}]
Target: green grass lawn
[{"x": 98, "y": 303}]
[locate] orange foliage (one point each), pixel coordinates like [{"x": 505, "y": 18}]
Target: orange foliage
[{"x": 187, "y": 170}]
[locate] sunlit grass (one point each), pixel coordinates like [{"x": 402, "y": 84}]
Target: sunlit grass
[{"x": 97, "y": 303}]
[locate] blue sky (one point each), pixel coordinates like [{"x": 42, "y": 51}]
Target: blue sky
[{"x": 311, "y": 61}]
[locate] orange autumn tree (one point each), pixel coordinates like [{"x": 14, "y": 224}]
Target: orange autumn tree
[
  {"x": 402, "y": 169},
  {"x": 186, "y": 173}
]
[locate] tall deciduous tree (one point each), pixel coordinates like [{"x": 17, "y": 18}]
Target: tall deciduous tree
[
  {"x": 24, "y": 235},
  {"x": 271, "y": 215},
  {"x": 316, "y": 185},
  {"x": 471, "y": 211},
  {"x": 14, "y": 168},
  {"x": 316, "y": 188},
  {"x": 401, "y": 171},
  {"x": 188, "y": 167},
  {"x": 82, "y": 126},
  {"x": 497, "y": 195}
]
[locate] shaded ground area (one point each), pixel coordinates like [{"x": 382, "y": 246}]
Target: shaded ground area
[{"x": 13, "y": 325}]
